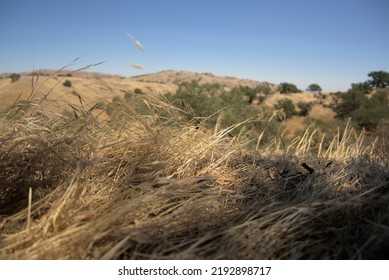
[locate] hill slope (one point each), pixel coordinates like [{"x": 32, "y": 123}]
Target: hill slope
[
  {"x": 89, "y": 88},
  {"x": 177, "y": 77},
  {"x": 94, "y": 86}
]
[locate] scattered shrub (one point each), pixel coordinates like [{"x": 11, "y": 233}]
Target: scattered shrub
[
  {"x": 320, "y": 97},
  {"x": 348, "y": 102},
  {"x": 379, "y": 79},
  {"x": 314, "y": 88},
  {"x": 365, "y": 112},
  {"x": 305, "y": 108},
  {"x": 288, "y": 88},
  {"x": 138, "y": 91},
  {"x": 365, "y": 87},
  {"x": 203, "y": 101},
  {"x": 65, "y": 75},
  {"x": 67, "y": 83},
  {"x": 14, "y": 77},
  {"x": 287, "y": 106}
]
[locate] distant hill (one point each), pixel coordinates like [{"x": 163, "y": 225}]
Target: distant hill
[
  {"x": 177, "y": 77},
  {"x": 95, "y": 87},
  {"x": 165, "y": 77},
  {"x": 50, "y": 72},
  {"x": 91, "y": 86}
]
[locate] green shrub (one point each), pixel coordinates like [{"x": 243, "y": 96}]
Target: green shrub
[
  {"x": 288, "y": 88},
  {"x": 320, "y": 97},
  {"x": 265, "y": 89},
  {"x": 203, "y": 101},
  {"x": 369, "y": 118},
  {"x": 305, "y": 108},
  {"x": 349, "y": 102},
  {"x": 365, "y": 87},
  {"x": 365, "y": 112},
  {"x": 67, "y": 83},
  {"x": 136, "y": 102},
  {"x": 314, "y": 88},
  {"x": 138, "y": 91},
  {"x": 287, "y": 106},
  {"x": 14, "y": 77},
  {"x": 379, "y": 79},
  {"x": 65, "y": 75}
]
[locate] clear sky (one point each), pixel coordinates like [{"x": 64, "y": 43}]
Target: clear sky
[{"x": 329, "y": 42}]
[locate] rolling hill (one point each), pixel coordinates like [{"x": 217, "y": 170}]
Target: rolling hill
[{"x": 89, "y": 88}]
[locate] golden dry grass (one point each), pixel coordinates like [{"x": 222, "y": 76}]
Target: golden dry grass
[
  {"x": 153, "y": 187},
  {"x": 93, "y": 88}
]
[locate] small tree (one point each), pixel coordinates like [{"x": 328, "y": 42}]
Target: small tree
[
  {"x": 314, "y": 88},
  {"x": 288, "y": 88},
  {"x": 379, "y": 79},
  {"x": 14, "y": 77},
  {"x": 365, "y": 112},
  {"x": 67, "y": 83},
  {"x": 349, "y": 101},
  {"x": 365, "y": 87}
]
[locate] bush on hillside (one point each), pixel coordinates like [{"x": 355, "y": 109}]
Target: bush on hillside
[
  {"x": 14, "y": 77},
  {"x": 379, "y": 79},
  {"x": 204, "y": 100},
  {"x": 265, "y": 89},
  {"x": 288, "y": 88},
  {"x": 348, "y": 102},
  {"x": 320, "y": 97},
  {"x": 67, "y": 83},
  {"x": 314, "y": 88},
  {"x": 287, "y": 106},
  {"x": 365, "y": 87},
  {"x": 305, "y": 108},
  {"x": 65, "y": 75},
  {"x": 138, "y": 91},
  {"x": 366, "y": 112}
]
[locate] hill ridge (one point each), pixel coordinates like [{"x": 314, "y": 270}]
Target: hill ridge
[
  {"x": 163, "y": 76},
  {"x": 178, "y": 76}
]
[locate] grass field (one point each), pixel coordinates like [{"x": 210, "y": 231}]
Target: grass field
[{"x": 153, "y": 186}]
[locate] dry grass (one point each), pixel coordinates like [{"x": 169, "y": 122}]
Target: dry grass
[{"x": 147, "y": 187}]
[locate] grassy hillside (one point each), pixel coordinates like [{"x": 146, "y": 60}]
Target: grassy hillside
[
  {"x": 151, "y": 184},
  {"x": 95, "y": 87},
  {"x": 92, "y": 90}
]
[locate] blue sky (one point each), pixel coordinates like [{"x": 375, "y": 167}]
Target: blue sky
[{"x": 330, "y": 42}]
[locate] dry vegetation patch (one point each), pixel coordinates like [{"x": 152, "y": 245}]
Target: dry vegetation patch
[{"x": 146, "y": 187}]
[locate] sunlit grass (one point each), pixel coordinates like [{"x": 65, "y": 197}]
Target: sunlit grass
[{"x": 154, "y": 185}]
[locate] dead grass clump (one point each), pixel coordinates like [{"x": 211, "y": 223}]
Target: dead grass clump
[{"x": 144, "y": 187}]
